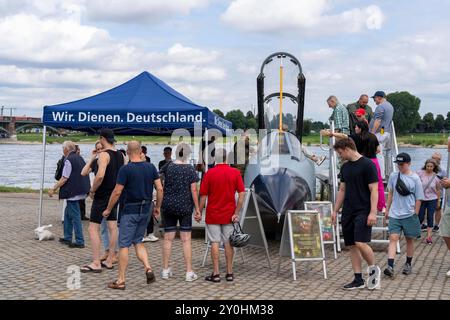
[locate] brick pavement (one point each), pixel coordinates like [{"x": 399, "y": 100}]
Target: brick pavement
[{"x": 35, "y": 270}]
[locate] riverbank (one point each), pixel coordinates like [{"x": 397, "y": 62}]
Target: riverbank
[
  {"x": 430, "y": 140},
  {"x": 8, "y": 189}
]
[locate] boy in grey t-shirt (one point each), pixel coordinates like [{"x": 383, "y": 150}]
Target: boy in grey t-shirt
[{"x": 403, "y": 212}]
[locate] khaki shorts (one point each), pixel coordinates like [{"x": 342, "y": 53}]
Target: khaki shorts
[
  {"x": 444, "y": 226},
  {"x": 219, "y": 232}
]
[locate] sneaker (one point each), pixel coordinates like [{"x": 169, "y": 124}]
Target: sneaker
[
  {"x": 64, "y": 241},
  {"x": 407, "y": 269},
  {"x": 436, "y": 228},
  {"x": 320, "y": 160},
  {"x": 429, "y": 240},
  {"x": 355, "y": 284},
  {"x": 191, "y": 276},
  {"x": 166, "y": 273},
  {"x": 423, "y": 227},
  {"x": 448, "y": 274},
  {"x": 150, "y": 238},
  {"x": 373, "y": 281},
  {"x": 389, "y": 271}
]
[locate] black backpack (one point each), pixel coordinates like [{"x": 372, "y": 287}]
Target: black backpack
[{"x": 59, "y": 168}]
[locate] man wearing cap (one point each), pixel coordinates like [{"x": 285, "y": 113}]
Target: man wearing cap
[
  {"x": 109, "y": 163},
  {"x": 403, "y": 210},
  {"x": 381, "y": 126},
  {"x": 384, "y": 112},
  {"x": 362, "y": 103},
  {"x": 361, "y": 115}
]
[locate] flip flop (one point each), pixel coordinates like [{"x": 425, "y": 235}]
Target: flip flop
[
  {"x": 104, "y": 265},
  {"x": 87, "y": 269},
  {"x": 116, "y": 285}
]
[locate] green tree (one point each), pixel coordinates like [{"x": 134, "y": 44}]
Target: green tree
[
  {"x": 219, "y": 113},
  {"x": 307, "y": 123},
  {"x": 406, "y": 110},
  {"x": 237, "y": 118},
  {"x": 428, "y": 121},
  {"x": 250, "y": 121},
  {"x": 447, "y": 121},
  {"x": 439, "y": 123}
]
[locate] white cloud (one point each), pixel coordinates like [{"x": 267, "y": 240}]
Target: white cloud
[
  {"x": 191, "y": 72},
  {"x": 140, "y": 10},
  {"x": 137, "y": 11},
  {"x": 26, "y": 39},
  {"x": 199, "y": 93},
  {"x": 182, "y": 54},
  {"x": 305, "y": 16}
]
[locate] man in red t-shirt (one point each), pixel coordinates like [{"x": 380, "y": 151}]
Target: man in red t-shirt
[{"x": 220, "y": 185}]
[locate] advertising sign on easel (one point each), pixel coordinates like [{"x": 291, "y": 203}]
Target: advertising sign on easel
[
  {"x": 251, "y": 222},
  {"x": 325, "y": 209},
  {"x": 302, "y": 239}
]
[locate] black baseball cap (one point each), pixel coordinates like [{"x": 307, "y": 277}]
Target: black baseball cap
[
  {"x": 379, "y": 94},
  {"x": 108, "y": 134},
  {"x": 402, "y": 158}
]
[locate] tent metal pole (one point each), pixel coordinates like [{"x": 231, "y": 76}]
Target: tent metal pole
[
  {"x": 41, "y": 191},
  {"x": 207, "y": 148},
  {"x": 445, "y": 192}
]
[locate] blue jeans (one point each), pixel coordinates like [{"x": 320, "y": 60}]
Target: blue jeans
[
  {"x": 72, "y": 222},
  {"x": 105, "y": 234},
  {"x": 430, "y": 207}
]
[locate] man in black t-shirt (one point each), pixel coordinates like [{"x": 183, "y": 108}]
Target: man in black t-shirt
[
  {"x": 109, "y": 162},
  {"x": 167, "y": 153},
  {"x": 358, "y": 193}
]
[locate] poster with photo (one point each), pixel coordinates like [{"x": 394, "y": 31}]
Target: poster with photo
[
  {"x": 306, "y": 235},
  {"x": 325, "y": 208}
]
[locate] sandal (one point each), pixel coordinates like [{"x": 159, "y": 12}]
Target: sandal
[
  {"x": 116, "y": 285},
  {"x": 229, "y": 277},
  {"x": 150, "y": 276},
  {"x": 104, "y": 265},
  {"x": 87, "y": 269},
  {"x": 213, "y": 278}
]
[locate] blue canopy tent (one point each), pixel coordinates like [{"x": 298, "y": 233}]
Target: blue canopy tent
[
  {"x": 141, "y": 106},
  {"x": 144, "y": 105}
]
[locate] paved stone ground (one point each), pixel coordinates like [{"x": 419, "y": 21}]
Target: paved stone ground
[{"x": 30, "y": 269}]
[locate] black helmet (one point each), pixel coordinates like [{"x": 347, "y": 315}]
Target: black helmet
[{"x": 238, "y": 238}]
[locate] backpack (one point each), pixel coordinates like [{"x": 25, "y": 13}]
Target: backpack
[{"x": 59, "y": 168}]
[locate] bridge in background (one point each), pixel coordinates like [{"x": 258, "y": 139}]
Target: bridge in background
[{"x": 10, "y": 125}]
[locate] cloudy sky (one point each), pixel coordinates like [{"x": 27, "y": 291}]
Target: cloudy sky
[{"x": 211, "y": 50}]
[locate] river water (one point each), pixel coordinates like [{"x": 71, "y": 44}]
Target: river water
[{"x": 20, "y": 165}]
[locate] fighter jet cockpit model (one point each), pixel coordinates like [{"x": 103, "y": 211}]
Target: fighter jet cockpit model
[{"x": 282, "y": 176}]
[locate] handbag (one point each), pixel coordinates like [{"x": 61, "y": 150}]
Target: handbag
[
  {"x": 401, "y": 187},
  {"x": 429, "y": 183}
]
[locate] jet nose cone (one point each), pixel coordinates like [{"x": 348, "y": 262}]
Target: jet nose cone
[{"x": 282, "y": 190}]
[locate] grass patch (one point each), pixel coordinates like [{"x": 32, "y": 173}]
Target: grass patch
[
  {"x": 7, "y": 189},
  {"x": 420, "y": 139}
]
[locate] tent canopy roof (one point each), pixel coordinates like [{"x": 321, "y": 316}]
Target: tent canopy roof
[{"x": 142, "y": 105}]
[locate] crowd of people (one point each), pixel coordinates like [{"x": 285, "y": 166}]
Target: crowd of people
[
  {"x": 412, "y": 196},
  {"x": 124, "y": 210}
]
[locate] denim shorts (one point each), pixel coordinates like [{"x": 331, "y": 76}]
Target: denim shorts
[
  {"x": 171, "y": 220},
  {"x": 133, "y": 224},
  {"x": 410, "y": 226}
]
